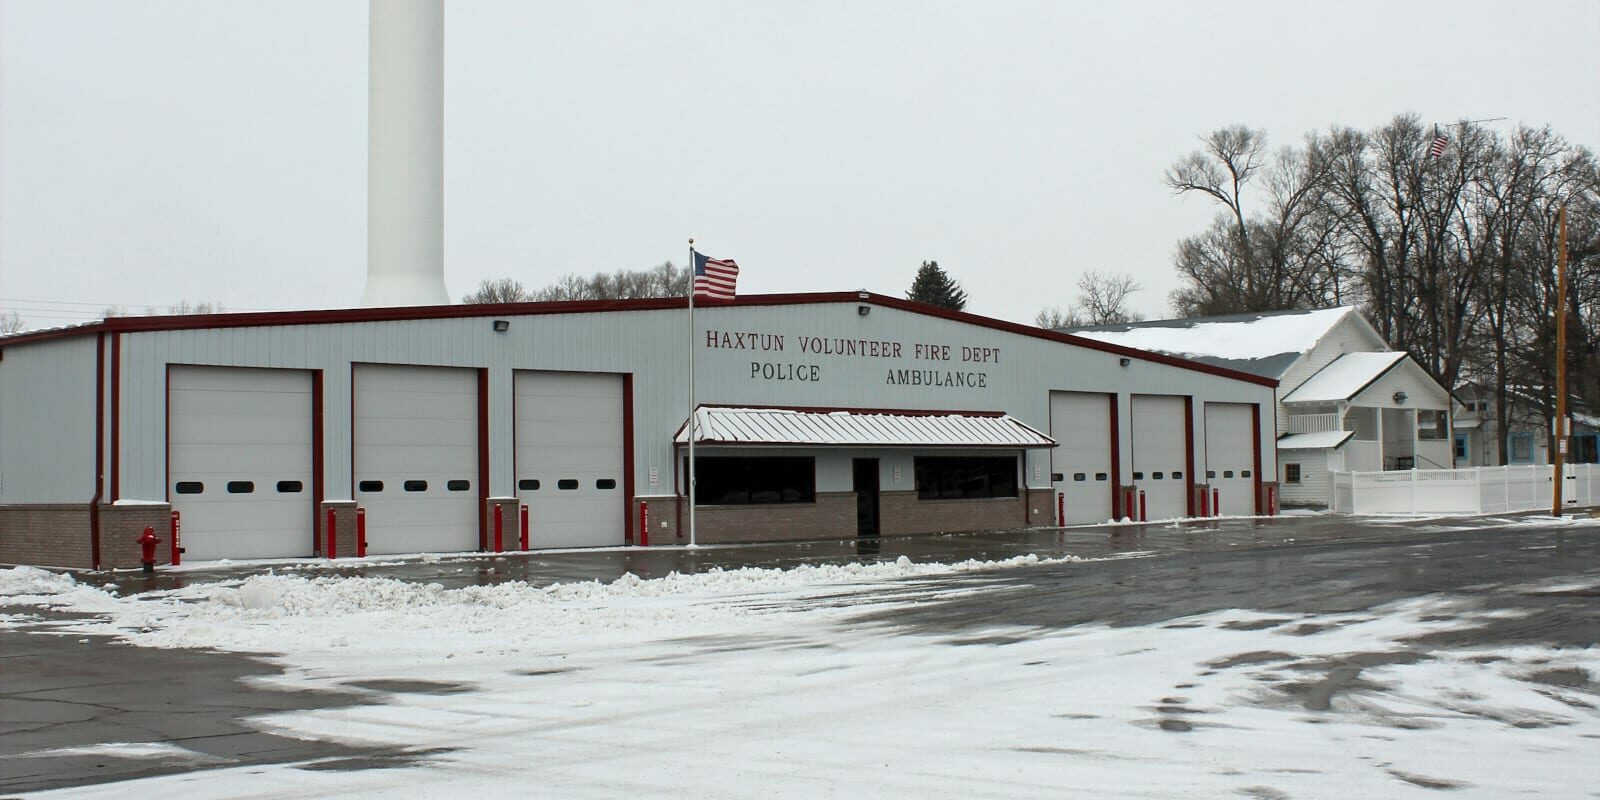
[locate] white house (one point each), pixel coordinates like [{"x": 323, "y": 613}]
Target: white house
[
  {"x": 1345, "y": 399},
  {"x": 1476, "y": 440}
]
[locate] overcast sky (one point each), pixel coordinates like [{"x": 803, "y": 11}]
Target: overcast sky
[{"x": 152, "y": 152}]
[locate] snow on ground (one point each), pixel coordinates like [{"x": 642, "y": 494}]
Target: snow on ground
[{"x": 767, "y": 683}]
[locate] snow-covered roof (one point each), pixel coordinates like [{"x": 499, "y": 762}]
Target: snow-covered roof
[
  {"x": 1461, "y": 423},
  {"x": 1344, "y": 378},
  {"x": 1263, "y": 343},
  {"x": 1314, "y": 441},
  {"x": 788, "y": 427}
]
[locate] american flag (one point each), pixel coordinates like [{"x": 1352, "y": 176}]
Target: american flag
[
  {"x": 714, "y": 278},
  {"x": 1440, "y": 142}
]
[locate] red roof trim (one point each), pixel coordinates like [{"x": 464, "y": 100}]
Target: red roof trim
[{"x": 335, "y": 316}]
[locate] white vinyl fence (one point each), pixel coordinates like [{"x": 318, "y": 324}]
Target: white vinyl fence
[{"x": 1479, "y": 490}]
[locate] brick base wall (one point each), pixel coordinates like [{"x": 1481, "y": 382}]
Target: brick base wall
[
  {"x": 663, "y": 521},
  {"x": 46, "y": 535},
  {"x": 344, "y": 528},
  {"x": 1271, "y": 498},
  {"x": 904, "y": 512},
  {"x": 833, "y": 516},
  {"x": 120, "y": 529},
  {"x": 510, "y": 524}
]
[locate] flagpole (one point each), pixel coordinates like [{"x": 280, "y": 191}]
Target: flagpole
[{"x": 691, "y": 425}]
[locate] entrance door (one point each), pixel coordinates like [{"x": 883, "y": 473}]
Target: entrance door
[{"x": 866, "y": 489}]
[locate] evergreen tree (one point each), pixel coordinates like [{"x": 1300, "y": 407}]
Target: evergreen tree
[{"x": 934, "y": 287}]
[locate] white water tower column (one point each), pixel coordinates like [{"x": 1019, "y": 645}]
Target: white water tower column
[{"x": 405, "y": 154}]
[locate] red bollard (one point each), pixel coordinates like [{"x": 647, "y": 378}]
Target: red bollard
[
  {"x": 361, "y": 532},
  {"x": 1142, "y": 515},
  {"x": 499, "y": 531},
  {"x": 147, "y": 549},
  {"x": 1272, "y": 501},
  {"x": 332, "y": 550},
  {"x": 177, "y": 549},
  {"x": 1216, "y": 502},
  {"x": 524, "y": 527},
  {"x": 1061, "y": 509},
  {"x": 644, "y": 524}
]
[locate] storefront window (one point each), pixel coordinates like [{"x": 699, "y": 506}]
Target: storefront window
[
  {"x": 733, "y": 480},
  {"x": 960, "y": 477}
]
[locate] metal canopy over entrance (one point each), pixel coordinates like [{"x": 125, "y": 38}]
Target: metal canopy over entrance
[{"x": 777, "y": 427}]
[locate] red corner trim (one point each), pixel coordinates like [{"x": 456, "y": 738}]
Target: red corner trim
[
  {"x": 1116, "y": 460},
  {"x": 1188, "y": 454},
  {"x": 116, "y": 417},
  {"x": 318, "y": 490},
  {"x": 628, "y": 536},
  {"x": 483, "y": 459},
  {"x": 1255, "y": 442},
  {"x": 99, "y": 449}
]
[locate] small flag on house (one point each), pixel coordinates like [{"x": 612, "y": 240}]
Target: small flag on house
[
  {"x": 1440, "y": 142},
  {"x": 714, "y": 278}
]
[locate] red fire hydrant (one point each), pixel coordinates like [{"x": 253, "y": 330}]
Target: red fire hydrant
[{"x": 147, "y": 545}]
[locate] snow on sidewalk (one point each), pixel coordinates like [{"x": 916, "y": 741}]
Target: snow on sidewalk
[{"x": 765, "y": 683}]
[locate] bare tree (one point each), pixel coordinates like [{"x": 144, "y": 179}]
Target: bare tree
[
  {"x": 1281, "y": 256},
  {"x": 10, "y": 323},
  {"x": 1452, "y": 255},
  {"x": 503, "y": 290},
  {"x": 1103, "y": 298},
  {"x": 186, "y": 307},
  {"x": 1054, "y": 317}
]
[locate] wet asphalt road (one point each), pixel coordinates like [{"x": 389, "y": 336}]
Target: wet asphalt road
[{"x": 72, "y": 691}]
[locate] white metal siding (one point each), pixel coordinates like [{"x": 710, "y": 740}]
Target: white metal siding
[
  {"x": 1315, "y": 484},
  {"x": 651, "y": 345},
  {"x": 47, "y": 399},
  {"x": 569, "y": 428},
  {"x": 1081, "y": 423},
  {"x": 1229, "y": 458},
  {"x": 1160, "y": 449},
  {"x": 417, "y": 424},
  {"x": 243, "y": 437}
]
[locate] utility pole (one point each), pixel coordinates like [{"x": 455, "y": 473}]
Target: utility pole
[{"x": 1561, "y": 362}]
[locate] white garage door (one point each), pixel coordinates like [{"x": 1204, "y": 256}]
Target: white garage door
[
  {"x": 1081, "y": 422},
  {"x": 1159, "y": 455},
  {"x": 570, "y": 458},
  {"x": 1230, "y": 457},
  {"x": 416, "y": 457},
  {"x": 239, "y": 461}
]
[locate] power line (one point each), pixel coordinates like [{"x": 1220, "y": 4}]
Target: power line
[{"x": 111, "y": 305}]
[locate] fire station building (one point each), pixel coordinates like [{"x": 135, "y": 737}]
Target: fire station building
[{"x": 468, "y": 427}]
